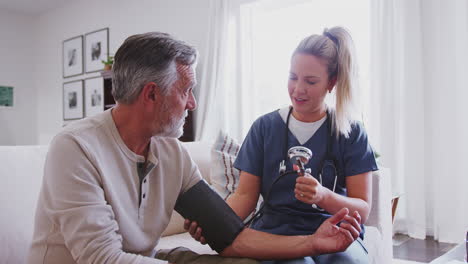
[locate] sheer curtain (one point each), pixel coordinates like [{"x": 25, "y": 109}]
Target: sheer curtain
[
  {"x": 416, "y": 115},
  {"x": 248, "y": 57},
  {"x": 223, "y": 99},
  {"x": 419, "y": 65},
  {"x": 212, "y": 71}
]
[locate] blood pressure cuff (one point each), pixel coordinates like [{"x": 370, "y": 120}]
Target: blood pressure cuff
[{"x": 220, "y": 225}]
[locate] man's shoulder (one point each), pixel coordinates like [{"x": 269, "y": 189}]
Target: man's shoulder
[
  {"x": 89, "y": 129},
  {"x": 86, "y": 125}
]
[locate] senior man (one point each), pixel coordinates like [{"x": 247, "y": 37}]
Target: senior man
[{"x": 112, "y": 180}]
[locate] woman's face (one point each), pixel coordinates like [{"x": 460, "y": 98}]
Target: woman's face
[{"x": 307, "y": 86}]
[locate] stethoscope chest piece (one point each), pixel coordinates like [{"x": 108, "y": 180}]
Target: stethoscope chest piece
[{"x": 299, "y": 153}]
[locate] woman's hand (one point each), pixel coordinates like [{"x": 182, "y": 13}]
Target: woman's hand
[
  {"x": 194, "y": 230},
  {"x": 309, "y": 190}
]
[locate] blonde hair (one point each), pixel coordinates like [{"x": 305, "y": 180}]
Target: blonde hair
[{"x": 336, "y": 47}]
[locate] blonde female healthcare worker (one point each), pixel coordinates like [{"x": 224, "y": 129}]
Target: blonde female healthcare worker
[{"x": 342, "y": 159}]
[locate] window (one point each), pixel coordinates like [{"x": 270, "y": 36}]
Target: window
[{"x": 276, "y": 27}]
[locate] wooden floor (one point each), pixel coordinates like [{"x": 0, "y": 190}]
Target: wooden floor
[{"x": 406, "y": 248}]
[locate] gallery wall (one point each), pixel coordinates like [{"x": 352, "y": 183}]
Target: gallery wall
[
  {"x": 185, "y": 19},
  {"x": 18, "y": 124}
]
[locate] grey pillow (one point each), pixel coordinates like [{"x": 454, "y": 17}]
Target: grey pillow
[{"x": 181, "y": 255}]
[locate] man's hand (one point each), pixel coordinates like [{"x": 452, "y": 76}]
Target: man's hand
[
  {"x": 330, "y": 238},
  {"x": 194, "y": 230}
]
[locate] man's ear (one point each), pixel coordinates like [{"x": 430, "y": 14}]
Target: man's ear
[{"x": 149, "y": 92}]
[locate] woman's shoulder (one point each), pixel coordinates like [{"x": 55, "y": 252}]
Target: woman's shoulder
[
  {"x": 268, "y": 119},
  {"x": 357, "y": 133}
]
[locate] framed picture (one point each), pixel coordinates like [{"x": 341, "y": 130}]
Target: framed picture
[
  {"x": 6, "y": 96},
  {"x": 73, "y": 100},
  {"x": 94, "y": 96},
  {"x": 73, "y": 57},
  {"x": 96, "y": 49}
]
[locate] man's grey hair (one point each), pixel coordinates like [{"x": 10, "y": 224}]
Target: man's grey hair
[{"x": 149, "y": 57}]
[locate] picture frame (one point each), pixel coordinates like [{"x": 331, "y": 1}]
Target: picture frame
[
  {"x": 73, "y": 100},
  {"x": 96, "y": 49},
  {"x": 72, "y": 56},
  {"x": 94, "y": 96},
  {"x": 7, "y": 96}
]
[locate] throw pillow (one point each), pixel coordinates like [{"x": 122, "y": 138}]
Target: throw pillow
[{"x": 224, "y": 177}]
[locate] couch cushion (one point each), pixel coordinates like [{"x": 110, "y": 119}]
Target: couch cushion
[
  {"x": 175, "y": 226},
  {"x": 199, "y": 151},
  {"x": 217, "y": 169},
  {"x": 21, "y": 176}
]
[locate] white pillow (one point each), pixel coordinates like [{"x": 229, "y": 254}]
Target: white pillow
[{"x": 224, "y": 177}]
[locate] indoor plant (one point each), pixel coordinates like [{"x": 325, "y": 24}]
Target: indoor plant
[{"x": 108, "y": 63}]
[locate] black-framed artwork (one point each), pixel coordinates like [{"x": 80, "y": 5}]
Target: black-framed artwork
[
  {"x": 94, "y": 95},
  {"x": 6, "y": 96},
  {"x": 73, "y": 100},
  {"x": 73, "y": 56},
  {"x": 96, "y": 49}
]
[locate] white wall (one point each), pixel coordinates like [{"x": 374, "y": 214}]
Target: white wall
[
  {"x": 18, "y": 124},
  {"x": 186, "y": 19}
]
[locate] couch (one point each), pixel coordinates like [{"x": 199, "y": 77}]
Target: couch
[{"x": 21, "y": 172}]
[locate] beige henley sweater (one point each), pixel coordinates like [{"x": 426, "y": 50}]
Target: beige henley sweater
[{"x": 88, "y": 209}]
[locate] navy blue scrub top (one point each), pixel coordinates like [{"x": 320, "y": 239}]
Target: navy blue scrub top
[{"x": 263, "y": 150}]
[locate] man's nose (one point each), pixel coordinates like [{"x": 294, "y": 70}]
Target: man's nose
[{"x": 191, "y": 103}]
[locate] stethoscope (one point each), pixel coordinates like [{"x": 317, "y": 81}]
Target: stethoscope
[
  {"x": 300, "y": 156},
  {"x": 328, "y": 161}
]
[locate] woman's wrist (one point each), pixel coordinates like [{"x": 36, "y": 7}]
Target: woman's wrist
[{"x": 323, "y": 197}]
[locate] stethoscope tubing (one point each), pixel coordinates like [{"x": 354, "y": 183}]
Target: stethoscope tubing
[
  {"x": 328, "y": 157},
  {"x": 283, "y": 172}
]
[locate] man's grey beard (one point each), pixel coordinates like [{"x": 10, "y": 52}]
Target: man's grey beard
[{"x": 175, "y": 128}]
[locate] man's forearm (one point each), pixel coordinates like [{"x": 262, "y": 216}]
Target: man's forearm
[{"x": 260, "y": 245}]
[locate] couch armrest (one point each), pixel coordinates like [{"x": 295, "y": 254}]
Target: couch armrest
[
  {"x": 21, "y": 172},
  {"x": 380, "y": 215},
  {"x": 200, "y": 152}
]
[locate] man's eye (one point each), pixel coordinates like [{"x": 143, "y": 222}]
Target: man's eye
[
  {"x": 311, "y": 83},
  {"x": 292, "y": 78}
]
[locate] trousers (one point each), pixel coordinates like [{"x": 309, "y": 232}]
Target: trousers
[{"x": 356, "y": 253}]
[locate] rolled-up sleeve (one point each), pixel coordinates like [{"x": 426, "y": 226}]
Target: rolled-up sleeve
[{"x": 358, "y": 155}]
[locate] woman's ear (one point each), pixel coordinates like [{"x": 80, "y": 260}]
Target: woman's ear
[{"x": 331, "y": 85}]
